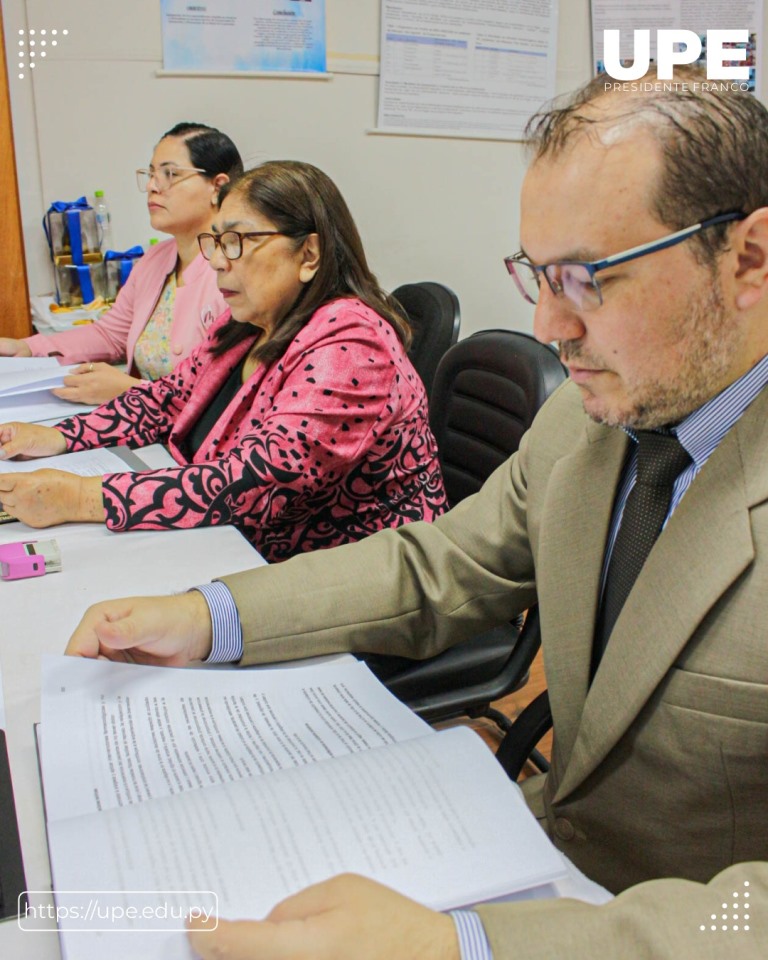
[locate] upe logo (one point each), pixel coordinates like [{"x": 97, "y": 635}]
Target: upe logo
[{"x": 677, "y": 47}]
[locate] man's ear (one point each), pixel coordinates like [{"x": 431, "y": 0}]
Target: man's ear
[
  {"x": 311, "y": 258},
  {"x": 750, "y": 245}
]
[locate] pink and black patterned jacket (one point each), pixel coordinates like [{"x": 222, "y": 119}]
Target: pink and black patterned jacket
[{"x": 322, "y": 447}]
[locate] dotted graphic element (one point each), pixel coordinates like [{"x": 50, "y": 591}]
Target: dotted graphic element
[
  {"x": 30, "y": 48},
  {"x": 740, "y": 917}
]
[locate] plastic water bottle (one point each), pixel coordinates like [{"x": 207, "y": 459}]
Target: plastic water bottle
[{"x": 103, "y": 220}]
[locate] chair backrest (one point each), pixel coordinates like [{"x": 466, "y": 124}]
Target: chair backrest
[
  {"x": 435, "y": 316},
  {"x": 486, "y": 392}
]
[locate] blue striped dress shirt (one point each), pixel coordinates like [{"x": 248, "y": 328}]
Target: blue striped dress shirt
[{"x": 700, "y": 434}]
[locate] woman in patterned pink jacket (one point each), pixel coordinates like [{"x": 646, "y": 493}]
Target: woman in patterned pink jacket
[{"x": 300, "y": 419}]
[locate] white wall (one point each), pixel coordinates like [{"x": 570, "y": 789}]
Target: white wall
[{"x": 427, "y": 208}]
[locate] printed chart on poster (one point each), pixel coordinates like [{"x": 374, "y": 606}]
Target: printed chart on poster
[
  {"x": 465, "y": 68},
  {"x": 244, "y": 36},
  {"x": 698, "y": 16}
]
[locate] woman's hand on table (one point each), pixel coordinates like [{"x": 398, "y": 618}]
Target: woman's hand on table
[
  {"x": 29, "y": 440},
  {"x": 44, "y": 498},
  {"x": 13, "y": 348},
  {"x": 160, "y": 631},
  {"x": 95, "y": 383}
]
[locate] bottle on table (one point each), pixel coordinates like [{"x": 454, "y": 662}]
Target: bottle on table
[{"x": 103, "y": 220}]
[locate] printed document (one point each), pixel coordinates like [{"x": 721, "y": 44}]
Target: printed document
[{"x": 246, "y": 786}]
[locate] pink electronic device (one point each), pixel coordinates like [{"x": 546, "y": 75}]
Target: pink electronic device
[{"x": 29, "y": 558}]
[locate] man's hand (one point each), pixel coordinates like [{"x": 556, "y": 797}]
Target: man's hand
[
  {"x": 95, "y": 383},
  {"x": 160, "y": 631},
  {"x": 345, "y": 918},
  {"x": 44, "y": 498},
  {"x": 28, "y": 440},
  {"x": 14, "y": 348}
]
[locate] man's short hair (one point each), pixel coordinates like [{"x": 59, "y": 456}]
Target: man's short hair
[{"x": 713, "y": 139}]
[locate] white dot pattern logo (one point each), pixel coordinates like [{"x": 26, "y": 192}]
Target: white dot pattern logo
[
  {"x": 739, "y": 918},
  {"x": 28, "y": 47}
]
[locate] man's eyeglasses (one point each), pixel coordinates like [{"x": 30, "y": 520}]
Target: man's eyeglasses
[
  {"x": 576, "y": 280},
  {"x": 231, "y": 242},
  {"x": 165, "y": 177}
]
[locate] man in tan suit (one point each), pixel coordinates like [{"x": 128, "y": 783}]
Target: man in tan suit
[{"x": 660, "y": 757}]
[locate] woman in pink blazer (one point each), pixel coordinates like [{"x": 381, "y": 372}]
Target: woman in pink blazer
[
  {"x": 170, "y": 298},
  {"x": 300, "y": 420}
]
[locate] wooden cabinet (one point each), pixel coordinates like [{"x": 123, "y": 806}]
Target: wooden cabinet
[{"x": 14, "y": 298}]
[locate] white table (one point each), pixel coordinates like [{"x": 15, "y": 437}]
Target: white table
[{"x": 38, "y": 616}]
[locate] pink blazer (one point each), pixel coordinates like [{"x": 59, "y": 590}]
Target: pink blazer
[
  {"x": 325, "y": 446},
  {"x": 113, "y": 336}
]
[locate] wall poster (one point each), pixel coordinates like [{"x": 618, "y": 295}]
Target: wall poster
[
  {"x": 466, "y": 68},
  {"x": 233, "y": 36}
]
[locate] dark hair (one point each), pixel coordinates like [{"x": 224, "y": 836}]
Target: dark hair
[
  {"x": 713, "y": 140},
  {"x": 299, "y": 200},
  {"x": 209, "y": 149}
]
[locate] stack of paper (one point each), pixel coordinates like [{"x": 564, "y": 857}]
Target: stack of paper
[{"x": 25, "y": 390}]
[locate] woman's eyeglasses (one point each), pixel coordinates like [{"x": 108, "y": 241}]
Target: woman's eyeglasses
[
  {"x": 231, "y": 242},
  {"x": 165, "y": 177}
]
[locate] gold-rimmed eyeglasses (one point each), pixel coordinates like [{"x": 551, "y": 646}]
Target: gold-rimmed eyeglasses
[{"x": 164, "y": 176}]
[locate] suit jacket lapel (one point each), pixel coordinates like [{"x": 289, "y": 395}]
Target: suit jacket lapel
[
  {"x": 575, "y": 520},
  {"x": 706, "y": 545}
]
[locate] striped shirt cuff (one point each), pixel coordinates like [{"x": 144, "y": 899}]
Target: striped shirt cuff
[
  {"x": 227, "y": 645},
  {"x": 473, "y": 943}
]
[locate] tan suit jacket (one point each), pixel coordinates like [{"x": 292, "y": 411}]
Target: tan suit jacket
[{"x": 660, "y": 767}]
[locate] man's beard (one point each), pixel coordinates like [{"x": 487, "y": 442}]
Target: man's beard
[{"x": 705, "y": 346}]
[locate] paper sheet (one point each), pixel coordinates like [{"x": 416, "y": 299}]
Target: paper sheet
[
  {"x": 25, "y": 394},
  {"x": 14, "y": 364},
  {"x": 85, "y": 463},
  {"x": 119, "y": 734},
  {"x": 18, "y": 382}
]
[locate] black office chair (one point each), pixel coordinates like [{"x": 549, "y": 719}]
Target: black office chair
[
  {"x": 433, "y": 310},
  {"x": 521, "y": 739},
  {"x": 519, "y": 745},
  {"x": 487, "y": 390}
]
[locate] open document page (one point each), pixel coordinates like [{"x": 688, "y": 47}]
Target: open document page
[
  {"x": 246, "y": 786},
  {"x": 115, "y": 735}
]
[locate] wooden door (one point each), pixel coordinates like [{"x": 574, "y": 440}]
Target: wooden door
[{"x": 14, "y": 298}]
